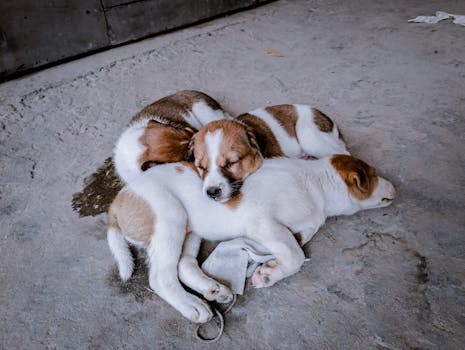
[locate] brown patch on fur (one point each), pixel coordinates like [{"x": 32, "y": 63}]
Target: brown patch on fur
[
  {"x": 322, "y": 121},
  {"x": 239, "y": 152},
  {"x": 175, "y": 107},
  {"x": 266, "y": 140},
  {"x": 286, "y": 115},
  {"x": 179, "y": 169},
  {"x": 164, "y": 144},
  {"x": 234, "y": 202},
  {"x": 133, "y": 216},
  {"x": 360, "y": 178}
]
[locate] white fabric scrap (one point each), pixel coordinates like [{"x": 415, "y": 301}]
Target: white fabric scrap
[
  {"x": 440, "y": 15},
  {"x": 232, "y": 261}
]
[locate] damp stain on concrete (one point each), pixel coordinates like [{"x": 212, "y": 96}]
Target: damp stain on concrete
[
  {"x": 99, "y": 190},
  {"x": 138, "y": 284}
]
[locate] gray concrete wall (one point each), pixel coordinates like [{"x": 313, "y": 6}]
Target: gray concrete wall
[{"x": 36, "y": 33}]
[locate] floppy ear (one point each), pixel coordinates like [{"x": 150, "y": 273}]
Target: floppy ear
[
  {"x": 190, "y": 149},
  {"x": 359, "y": 179},
  {"x": 252, "y": 139}
]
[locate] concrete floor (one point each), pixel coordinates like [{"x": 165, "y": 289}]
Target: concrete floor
[{"x": 391, "y": 278}]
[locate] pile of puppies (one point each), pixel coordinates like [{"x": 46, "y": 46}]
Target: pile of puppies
[{"x": 191, "y": 171}]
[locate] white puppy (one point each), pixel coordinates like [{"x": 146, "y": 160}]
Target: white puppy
[{"x": 282, "y": 197}]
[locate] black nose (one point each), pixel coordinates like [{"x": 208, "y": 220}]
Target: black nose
[{"x": 213, "y": 192}]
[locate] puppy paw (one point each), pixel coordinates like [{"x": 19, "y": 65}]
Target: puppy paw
[
  {"x": 197, "y": 311},
  {"x": 218, "y": 293},
  {"x": 262, "y": 276}
]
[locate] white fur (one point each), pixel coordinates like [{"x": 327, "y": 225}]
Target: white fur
[
  {"x": 313, "y": 141},
  {"x": 289, "y": 145},
  {"x": 128, "y": 150},
  {"x": 202, "y": 114},
  {"x": 284, "y": 195},
  {"x": 188, "y": 273},
  {"x": 121, "y": 253},
  {"x": 215, "y": 177}
]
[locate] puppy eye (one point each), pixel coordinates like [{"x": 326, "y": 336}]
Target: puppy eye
[{"x": 230, "y": 164}]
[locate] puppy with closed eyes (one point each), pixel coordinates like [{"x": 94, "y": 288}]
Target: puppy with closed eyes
[
  {"x": 294, "y": 131},
  {"x": 160, "y": 133},
  {"x": 282, "y": 197}
]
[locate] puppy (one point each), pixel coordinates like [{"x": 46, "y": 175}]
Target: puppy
[
  {"x": 282, "y": 197},
  {"x": 161, "y": 132},
  {"x": 295, "y": 131}
]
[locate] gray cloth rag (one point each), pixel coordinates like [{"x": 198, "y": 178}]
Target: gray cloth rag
[{"x": 232, "y": 261}]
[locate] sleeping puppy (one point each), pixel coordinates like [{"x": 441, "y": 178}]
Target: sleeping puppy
[
  {"x": 284, "y": 196},
  {"x": 295, "y": 131},
  {"x": 161, "y": 132}
]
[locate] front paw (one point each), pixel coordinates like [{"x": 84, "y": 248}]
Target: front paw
[
  {"x": 219, "y": 293},
  {"x": 197, "y": 311},
  {"x": 263, "y": 275}
]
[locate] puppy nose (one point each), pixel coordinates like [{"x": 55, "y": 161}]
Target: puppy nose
[{"x": 213, "y": 192}]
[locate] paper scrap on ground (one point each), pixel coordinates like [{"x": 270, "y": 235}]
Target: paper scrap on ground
[
  {"x": 440, "y": 15},
  {"x": 232, "y": 261}
]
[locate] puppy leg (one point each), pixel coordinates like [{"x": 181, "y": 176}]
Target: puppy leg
[
  {"x": 280, "y": 242},
  {"x": 164, "y": 251},
  {"x": 192, "y": 276},
  {"x": 305, "y": 235}
]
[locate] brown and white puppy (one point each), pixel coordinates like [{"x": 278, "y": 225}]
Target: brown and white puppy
[
  {"x": 282, "y": 197},
  {"x": 295, "y": 131},
  {"x": 160, "y": 133}
]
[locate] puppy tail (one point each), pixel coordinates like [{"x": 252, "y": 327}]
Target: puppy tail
[
  {"x": 120, "y": 249},
  {"x": 127, "y": 152}
]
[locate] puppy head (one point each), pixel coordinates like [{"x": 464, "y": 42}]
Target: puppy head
[
  {"x": 164, "y": 143},
  {"x": 225, "y": 153},
  {"x": 364, "y": 186}
]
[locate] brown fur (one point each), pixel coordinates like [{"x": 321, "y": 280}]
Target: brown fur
[
  {"x": 360, "y": 178},
  {"x": 286, "y": 115},
  {"x": 168, "y": 131},
  {"x": 238, "y": 146},
  {"x": 322, "y": 121},
  {"x": 234, "y": 202},
  {"x": 266, "y": 140},
  {"x": 133, "y": 216},
  {"x": 164, "y": 144},
  {"x": 175, "y": 107}
]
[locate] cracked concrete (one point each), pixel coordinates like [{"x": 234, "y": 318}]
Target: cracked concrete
[{"x": 391, "y": 278}]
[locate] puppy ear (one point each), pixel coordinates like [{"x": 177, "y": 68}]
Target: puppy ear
[
  {"x": 252, "y": 139},
  {"x": 190, "y": 149},
  {"x": 359, "y": 179}
]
